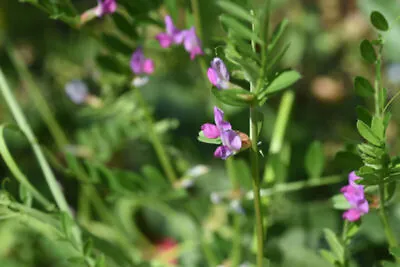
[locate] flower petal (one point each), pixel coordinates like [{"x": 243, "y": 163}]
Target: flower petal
[
  {"x": 219, "y": 120},
  {"x": 222, "y": 152},
  {"x": 164, "y": 39},
  {"x": 210, "y": 130},
  {"x": 232, "y": 140},
  {"x": 212, "y": 76},
  {"x": 353, "y": 178},
  {"x": 219, "y": 66},
  {"x": 352, "y": 215},
  {"x": 148, "y": 66}
]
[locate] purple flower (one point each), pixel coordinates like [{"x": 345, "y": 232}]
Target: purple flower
[
  {"x": 354, "y": 193},
  {"x": 77, "y": 91},
  {"x": 105, "y": 7},
  {"x": 192, "y": 43},
  {"x": 141, "y": 65},
  {"x": 231, "y": 141},
  {"x": 172, "y": 35},
  {"x": 218, "y": 74}
]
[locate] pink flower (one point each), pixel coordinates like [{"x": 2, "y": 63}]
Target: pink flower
[
  {"x": 172, "y": 35},
  {"x": 106, "y": 7},
  {"x": 218, "y": 74},
  {"x": 231, "y": 141},
  {"x": 141, "y": 65},
  {"x": 102, "y": 8},
  {"x": 354, "y": 193},
  {"x": 192, "y": 43}
]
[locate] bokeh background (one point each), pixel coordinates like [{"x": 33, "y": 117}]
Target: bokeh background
[{"x": 324, "y": 37}]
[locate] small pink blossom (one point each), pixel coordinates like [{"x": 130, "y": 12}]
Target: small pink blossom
[
  {"x": 140, "y": 64},
  {"x": 192, "y": 43},
  {"x": 218, "y": 74},
  {"x": 172, "y": 35},
  {"x": 354, "y": 193}
]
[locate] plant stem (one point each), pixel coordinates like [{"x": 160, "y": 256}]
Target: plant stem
[
  {"x": 156, "y": 142},
  {"x": 378, "y": 108},
  {"x": 199, "y": 30},
  {"x": 256, "y": 185},
  {"x": 278, "y": 135},
  {"x": 235, "y": 256},
  {"x": 384, "y": 218},
  {"x": 41, "y": 103},
  {"x": 47, "y": 172},
  {"x": 344, "y": 242}
]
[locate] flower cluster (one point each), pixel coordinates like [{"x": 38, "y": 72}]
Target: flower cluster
[
  {"x": 173, "y": 35},
  {"x": 230, "y": 139},
  {"x": 354, "y": 193}
]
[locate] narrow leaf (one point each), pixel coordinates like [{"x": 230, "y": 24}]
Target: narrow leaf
[
  {"x": 377, "y": 127},
  {"x": 239, "y": 28},
  {"x": 234, "y": 97},
  {"x": 367, "y": 133},
  {"x": 334, "y": 244},
  {"x": 236, "y": 10},
  {"x": 282, "y": 81}
]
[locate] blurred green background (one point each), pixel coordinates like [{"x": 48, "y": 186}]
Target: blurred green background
[{"x": 324, "y": 37}]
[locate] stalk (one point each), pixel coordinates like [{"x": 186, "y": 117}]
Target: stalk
[
  {"x": 235, "y": 256},
  {"x": 44, "y": 165},
  {"x": 378, "y": 112},
  {"x": 256, "y": 185},
  {"x": 384, "y": 218},
  {"x": 156, "y": 142}
]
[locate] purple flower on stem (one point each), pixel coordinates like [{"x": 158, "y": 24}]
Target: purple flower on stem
[
  {"x": 231, "y": 141},
  {"x": 172, "y": 35},
  {"x": 141, "y": 65},
  {"x": 192, "y": 43},
  {"x": 354, "y": 193},
  {"x": 105, "y": 7},
  {"x": 218, "y": 74}
]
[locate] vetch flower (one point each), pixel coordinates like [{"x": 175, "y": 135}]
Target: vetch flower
[
  {"x": 354, "y": 193},
  {"x": 77, "y": 91},
  {"x": 103, "y": 7},
  {"x": 230, "y": 139},
  {"x": 141, "y": 65},
  {"x": 172, "y": 35},
  {"x": 192, "y": 43},
  {"x": 218, "y": 74}
]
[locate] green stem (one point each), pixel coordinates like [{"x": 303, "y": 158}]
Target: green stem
[
  {"x": 199, "y": 30},
  {"x": 47, "y": 172},
  {"x": 384, "y": 218},
  {"x": 156, "y": 142},
  {"x": 210, "y": 256},
  {"x": 280, "y": 127},
  {"x": 256, "y": 186},
  {"x": 235, "y": 256},
  {"x": 344, "y": 241},
  {"x": 41, "y": 103},
  {"x": 378, "y": 108}
]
